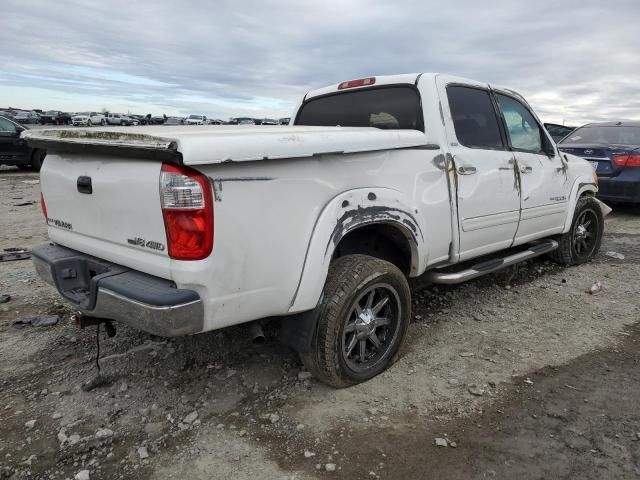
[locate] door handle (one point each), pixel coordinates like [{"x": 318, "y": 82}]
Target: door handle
[
  {"x": 526, "y": 169},
  {"x": 466, "y": 170}
]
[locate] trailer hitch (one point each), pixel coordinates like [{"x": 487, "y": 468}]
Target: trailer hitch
[{"x": 83, "y": 321}]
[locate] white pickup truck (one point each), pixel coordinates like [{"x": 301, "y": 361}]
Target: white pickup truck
[{"x": 319, "y": 223}]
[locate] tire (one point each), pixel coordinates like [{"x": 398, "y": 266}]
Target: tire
[
  {"x": 37, "y": 158},
  {"x": 359, "y": 283},
  {"x": 582, "y": 242},
  {"x": 89, "y": 123},
  {"x": 103, "y": 122}
]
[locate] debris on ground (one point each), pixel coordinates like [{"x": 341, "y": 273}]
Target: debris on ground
[
  {"x": 4, "y": 298},
  {"x": 37, "y": 321},
  {"x": 617, "y": 255},
  {"x": 15, "y": 254},
  {"x": 595, "y": 288},
  {"x": 82, "y": 475},
  {"x": 24, "y": 204},
  {"x": 476, "y": 390},
  {"x": 440, "y": 442},
  {"x": 31, "y": 182}
]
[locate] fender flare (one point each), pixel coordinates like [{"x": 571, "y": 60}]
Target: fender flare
[
  {"x": 581, "y": 185},
  {"x": 343, "y": 214}
]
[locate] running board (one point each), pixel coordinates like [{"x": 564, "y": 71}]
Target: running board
[{"x": 493, "y": 265}]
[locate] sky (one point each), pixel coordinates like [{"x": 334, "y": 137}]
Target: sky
[{"x": 574, "y": 61}]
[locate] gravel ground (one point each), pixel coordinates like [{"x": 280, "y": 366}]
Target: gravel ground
[{"x": 520, "y": 374}]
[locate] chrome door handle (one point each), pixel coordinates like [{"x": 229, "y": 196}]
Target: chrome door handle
[
  {"x": 466, "y": 170},
  {"x": 526, "y": 169}
]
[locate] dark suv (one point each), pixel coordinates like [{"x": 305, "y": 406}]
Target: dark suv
[
  {"x": 56, "y": 117},
  {"x": 14, "y": 150}
]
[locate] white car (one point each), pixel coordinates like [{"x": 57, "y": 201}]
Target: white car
[
  {"x": 177, "y": 232},
  {"x": 120, "y": 119},
  {"x": 195, "y": 120},
  {"x": 87, "y": 119}
]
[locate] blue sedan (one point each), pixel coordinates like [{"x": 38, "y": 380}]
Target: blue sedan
[{"x": 613, "y": 148}]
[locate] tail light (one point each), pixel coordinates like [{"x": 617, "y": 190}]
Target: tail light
[
  {"x": 187, "y": 210},
  {"x": 362, "y": 82},
  {"x": 626, "y": 160},
  {"x": 44, "y": 208}
]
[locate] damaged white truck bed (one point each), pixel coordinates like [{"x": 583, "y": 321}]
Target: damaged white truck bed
[{"x": 181, "y": 230}]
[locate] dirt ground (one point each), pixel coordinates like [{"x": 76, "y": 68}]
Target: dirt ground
[{"x": 521, "y": 374}]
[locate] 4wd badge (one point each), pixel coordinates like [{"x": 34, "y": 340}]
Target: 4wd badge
[{"x": 140, "y": 242}]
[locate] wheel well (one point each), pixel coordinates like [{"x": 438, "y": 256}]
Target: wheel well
[{"x": 382, "y": 240}]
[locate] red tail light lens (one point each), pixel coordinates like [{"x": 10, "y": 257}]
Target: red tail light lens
[
  {"x": 362, "y": 82},
  {"x": 626, "y": 160},
  {"x": 44, "y": 208},
  {"x": 187, "y": 209}
]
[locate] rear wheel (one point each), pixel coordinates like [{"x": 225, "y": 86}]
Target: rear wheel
[
  {"x": 582, "y": 242},
  {"x": 364, "y": 317},
  {"x": 103, "y": 122},
  {"x": 37, "y": 158},
  {"x": 89, "y": 123}
]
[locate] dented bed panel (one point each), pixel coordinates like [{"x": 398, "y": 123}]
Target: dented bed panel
[{"x": 277, "y": 224}]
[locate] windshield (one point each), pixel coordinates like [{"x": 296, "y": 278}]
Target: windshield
[
  {"x": 196, "y": 117},
  {"x": 86, "y": 114},
  {"x": 382, "y": 107},
  {"x": 608, "y": 135}
]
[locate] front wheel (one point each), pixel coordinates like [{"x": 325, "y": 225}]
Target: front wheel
[
  {"x": 582, "y": 242},
  {"x": 364, "y": 317},
  {"x": 89, "y": 123}
]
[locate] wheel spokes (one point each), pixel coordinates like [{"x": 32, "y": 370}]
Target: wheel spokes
[
  {"x": 380, "y": 305},
  {"x": 382, "y": 321},
  {"x": 352, "y": 343},
  {"x": 375, "y": 340},
  {"x": 363, "y": 350},
  {"x": 370, "y": 299}
]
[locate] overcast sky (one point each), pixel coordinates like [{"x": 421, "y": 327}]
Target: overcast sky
[{"x": 575, "y": 61}]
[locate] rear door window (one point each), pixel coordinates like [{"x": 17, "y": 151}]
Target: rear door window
[
  {"x": 396, "y": 107},
  {"x": 474, "y": 117}
]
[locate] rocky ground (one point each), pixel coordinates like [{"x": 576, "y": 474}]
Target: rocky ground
[{"x": 520, "y": 374}]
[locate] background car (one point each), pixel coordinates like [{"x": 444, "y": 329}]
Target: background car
[
  {"x": 25, "y": 118},
  {"x": 56, "y": 117},
  {"x": 269, "y": 121},
  {"x": 195, "y": 120},
  {"x": 613, "y": 148},
  {"x": 8, "y": 114},
  {"x": 558, "y": 132},
  {"x": 174, "y": 121},
  {"x": 119, "y": 119},
  {"x": 242, "y": 121},
  {"x": 14, "y": 150},
  {"x": 284, "y": 121},
  {"x": 88, "y": 119}
]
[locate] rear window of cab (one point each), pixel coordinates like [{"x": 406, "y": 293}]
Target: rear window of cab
[{"x": 390, "y": 108}]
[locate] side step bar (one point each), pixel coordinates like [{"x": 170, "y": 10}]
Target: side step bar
[{"x": 493, "y": 265}]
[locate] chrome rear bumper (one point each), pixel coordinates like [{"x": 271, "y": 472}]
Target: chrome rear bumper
[{"x": 105, "y": 290}]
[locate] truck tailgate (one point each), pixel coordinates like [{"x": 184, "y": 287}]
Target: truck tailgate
[{"x": 108, "y": 207}]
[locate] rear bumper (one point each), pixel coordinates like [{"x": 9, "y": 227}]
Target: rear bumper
[
  {"x": 105, "y": 290},
  {"x": 619, "y": 190}
]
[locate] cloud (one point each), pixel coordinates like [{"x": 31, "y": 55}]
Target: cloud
[{"x": 575, "y": 61}]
